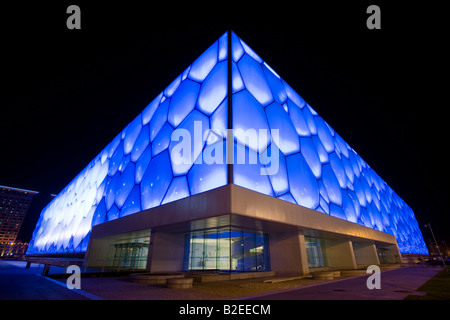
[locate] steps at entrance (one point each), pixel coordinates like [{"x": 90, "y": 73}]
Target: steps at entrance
[{"x": 210, "y": 277}]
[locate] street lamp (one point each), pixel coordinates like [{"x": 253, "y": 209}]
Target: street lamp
[{"x": 439, "y": 251}]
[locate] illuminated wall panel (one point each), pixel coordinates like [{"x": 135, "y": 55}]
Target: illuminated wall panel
[
  {"x": 136, "y": 171},
  {"x": 142, "y": 167},
  {"x": 323, "y": 172}
]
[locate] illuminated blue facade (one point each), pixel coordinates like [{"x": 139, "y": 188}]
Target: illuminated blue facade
[{"x": 142, "y": 167}]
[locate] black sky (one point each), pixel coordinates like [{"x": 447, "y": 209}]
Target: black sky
[{"x": 67, "y": 93}]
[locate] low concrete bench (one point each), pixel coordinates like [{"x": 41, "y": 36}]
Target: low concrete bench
[
  {"x": 179, "y": 283},
  {"x": 323, "y": 275},
  {"x": 353, "y": 272},
  {"x": 148, "y": 278},
  {"x": 336, "y": 273}
]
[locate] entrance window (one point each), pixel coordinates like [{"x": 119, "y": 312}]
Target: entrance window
[
  {"x": 315, "y": 250},
  {"x": 226, "y": 249},
  {"x": 131, "y": 254},
  {"x": 120, "y": 251}
]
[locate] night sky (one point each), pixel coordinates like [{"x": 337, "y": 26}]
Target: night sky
[{"x": 67, "y": 93}]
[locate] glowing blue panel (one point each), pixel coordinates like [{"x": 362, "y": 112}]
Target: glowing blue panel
[
  {"x": 113, "y": 213},
  {"x": 213, "y": 138},
  {"x": 250, "y": 174},
  {"x": 354, "y": 164},
  {"x": 237, "y": 83},
  {"x": 99, "y": 214},
  {"x": 303, "y": 184},
  {"x": 366, "y": 188},
  {"x": 378, "y": 221},
  {"x": 183, "y": 102},
  {"x": 309, "y": 152},
  {"x": 279, "y": 120},
  {"x": 142, "y": 163},
  {"x": 159, "y": 118},
  {"x": 342, "y": 144},
  {"x": 148, "y": 112},
  {"x": 309, "y": 120},
  {"x": 324, "y": 207},
  {"x": 349, "y": 209},
  {"x": 111, "y": 188},
  {"x": 178, "y": 189},
  {"x": 236, "y": 48},
  {"x": 204, "y": 64},
  {"x": 254, "y": 80},
  {"x": 219, "y": 119},
  {"x": 375, "y": 199},
  {"x": 203, "y": 177},
  {"x": 276, "y": 168},
  {"x": 287, "y": 197},
  {"x": 275, "y": 84},
  {"x": 323, "y": 192},
  {"x": 162, "y": 139},
  {"x": 116, "y": 159},
  {"x": 185, "y": 73},
  {"x": 214, "y": 89},
  {"x": 338, "y": 169},
  {"x": 156, "y": 180},
  {"x": 111, "y": 148},
  {"x": 141, "y": 143},
  {"x": 324, "y": 134},
  {"x": 298, "y": 119},
  {"x": 133, "y": 202},
  {"x": 331, "y": 184},
  {"x": 223, "y": 47},
  {"x": 124, "y": 162},
  {"x": 360, "y": 192},
  {"x": 348, "y": 169},
  {"x": 294, "y": 96},
  {"x": 337, "y": 211},
  {"x": 126, "y": 184},
  {"x": 171, "y": 88},
  {"x": 249, "y": 115},
  {"x": 250, "y": 52},
  {"x": 355, "y": 202},
  {"x": 187, "y": 147}
]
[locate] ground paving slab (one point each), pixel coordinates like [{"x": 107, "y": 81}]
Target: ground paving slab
[{"x": 19, "y": 283}]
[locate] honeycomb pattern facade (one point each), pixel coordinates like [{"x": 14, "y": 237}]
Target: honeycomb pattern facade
[{"x": 142, "y": 167}]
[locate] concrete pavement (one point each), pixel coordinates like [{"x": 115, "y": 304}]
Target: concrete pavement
[
  {"x": 18, "y": 283},
  {"x": 396, "y": 284}
]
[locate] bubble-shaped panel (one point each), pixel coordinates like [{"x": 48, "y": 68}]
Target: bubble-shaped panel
[
  {"x": 303, "y": 184},
  {"x": 250, "y": 126},
  {"x": 279, "y": 120},
  {"x": 183, "y": 101},
  {"x": 255, "y": 80},
  {"x": 187, "y": 142},
  {"x": 156, "y": 180},
  {"x": 250, "y": 173},
  {"x": 214, "y": 89},
  {"x": 203, "y": 176},
  {"x": 204, "y": 64}
]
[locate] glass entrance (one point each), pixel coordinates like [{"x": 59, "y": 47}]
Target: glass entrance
[
  {"x": 131, "y": 255},
  {"x": 382, "y": 255},
  {"x": 120, "y": 251},
  {"x": 227, "y": 249},
  {"x": 315, "y": 250}
]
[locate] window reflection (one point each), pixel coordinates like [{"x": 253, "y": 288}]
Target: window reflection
[{"x": 227, "y": 249}]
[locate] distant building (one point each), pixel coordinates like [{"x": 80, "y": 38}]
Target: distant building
[{"x": 14, "y": 204}]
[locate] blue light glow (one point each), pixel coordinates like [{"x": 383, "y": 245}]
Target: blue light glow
[{"x": 136, "y": 171}]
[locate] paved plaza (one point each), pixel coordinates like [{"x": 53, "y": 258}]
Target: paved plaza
[{"x": 19, "y": 283}]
